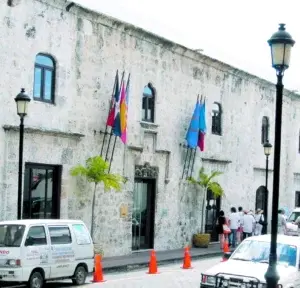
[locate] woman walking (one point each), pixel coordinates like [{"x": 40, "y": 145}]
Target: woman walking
[
  {"x": 222, "y": 228},
  {"x": 259, "y": 219}
]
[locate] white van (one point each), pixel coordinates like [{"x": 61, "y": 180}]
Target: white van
[{"x": 34, "y": 251}]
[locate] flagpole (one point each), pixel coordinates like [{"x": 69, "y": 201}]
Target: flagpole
[
  {"x": 186, "y": 156},
  {"x": 111, "y": 131},
  {"x": 110, "y": 107},
  {"x": 191, "y": 153},
  {"x": 114, "y": 145},
  {"x": 193, "y": 162}
]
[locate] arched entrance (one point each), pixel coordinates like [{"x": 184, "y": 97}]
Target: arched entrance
[
  {"x": 261, "y": 202},
  {"x": 213, "y": 206}
]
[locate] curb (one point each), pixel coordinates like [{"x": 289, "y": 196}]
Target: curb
[{"x": 144, "y": 264}]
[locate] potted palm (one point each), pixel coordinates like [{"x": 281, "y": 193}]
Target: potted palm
[
  {"x": 96, "y": 171},
  {"x": 205, "y": 182}
]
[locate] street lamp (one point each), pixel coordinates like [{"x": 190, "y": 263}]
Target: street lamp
[
  {"x": 267, "y": 151},
  {"x": 281, "y": 44},
  {"x": 22, "y": 101}
]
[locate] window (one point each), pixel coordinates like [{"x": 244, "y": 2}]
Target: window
[
  {"x": 216, "y": 127},
  {"x": 82, "y": 235},
  {"x": 148, "y": 105},
  {"x": 297, "y": 199},
  {"x": 60, "y": 235},
  {"x": 41, "y": 199},
  {"x": 11, "y": 235},
  {"x": 44, "y": 78},
  {"x": 299, "y": 143},
  {"x": 36, "y": 236},
  {"x": 265, "y": 130}
]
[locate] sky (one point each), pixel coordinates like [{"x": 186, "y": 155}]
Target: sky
[{"x": 233, "y": 31}]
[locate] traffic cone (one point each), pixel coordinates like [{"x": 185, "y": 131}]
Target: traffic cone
[
  {"x": 186, "y": 259},
  {"x": 98, "y": 274},
  {"x": 152, "y": 263},
  {"x": 226, "y": 247}
]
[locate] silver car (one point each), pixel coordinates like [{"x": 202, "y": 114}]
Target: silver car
[{"x": 247, "y": 265}]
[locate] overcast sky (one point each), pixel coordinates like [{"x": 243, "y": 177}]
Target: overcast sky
[{"x": 233, "y": 31}]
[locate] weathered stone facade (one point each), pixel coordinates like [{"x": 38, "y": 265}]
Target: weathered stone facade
[{"x": 88, "y": 49}]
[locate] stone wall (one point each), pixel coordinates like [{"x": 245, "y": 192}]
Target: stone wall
[{"x": 88, "y": 49}]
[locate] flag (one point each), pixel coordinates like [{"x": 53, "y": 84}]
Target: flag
[
  {"x": 193, "y": 131},
  {"x": 117, "y": 119},
  {"x": 111, "y": 115},
  {"x": 202, "y": 127},
  {"x": 124, "y": 113}
]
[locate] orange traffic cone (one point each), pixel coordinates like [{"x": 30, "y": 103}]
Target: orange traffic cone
[
  {"x": 98, "y": 274},
  {"x": 226, "y": 247},
  {"x": 187, "y": 259},
  {"x": 152, "y": 263}
]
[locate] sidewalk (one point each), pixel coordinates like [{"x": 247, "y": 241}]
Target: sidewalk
[{"x": 141, "y": 259}]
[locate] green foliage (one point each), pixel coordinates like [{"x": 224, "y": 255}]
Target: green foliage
[
  {"x": 96, "y": 171},
  {"x": 206, "y": 182}
]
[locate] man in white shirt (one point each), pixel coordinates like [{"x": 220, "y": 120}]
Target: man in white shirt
[
  {"x": 248, "y": 225},
  {"x": 234, "y": 224}
]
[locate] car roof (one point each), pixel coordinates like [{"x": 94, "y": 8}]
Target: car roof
[
  {"x": 282, "y": 239},
  {"x": 40, "y": 221}
]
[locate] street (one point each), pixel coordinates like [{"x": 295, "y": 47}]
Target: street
[{"x": 169, "y": 276}]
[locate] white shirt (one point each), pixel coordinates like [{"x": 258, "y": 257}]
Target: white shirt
[
  {"x": 241, "y": 218},
  {"x": 234, "y": 219},
  {"x": 248, "y": 223}
]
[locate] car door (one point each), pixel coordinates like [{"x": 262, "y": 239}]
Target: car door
[
  {"x": 36, "y": 250},
  {"x": 62, "y": 251}
]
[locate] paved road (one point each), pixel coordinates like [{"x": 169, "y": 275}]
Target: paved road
[{"x": 169, "y": 276}]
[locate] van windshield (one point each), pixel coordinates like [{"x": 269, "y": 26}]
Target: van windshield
[{"x": 11, "y": 235}]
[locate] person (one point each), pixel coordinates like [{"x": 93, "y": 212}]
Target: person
[
  {"x": 248, "y": 225},
  {"x": 239, "y": 232},
  {"x": 221, "y": 221},
  {"x": 259, "y": 219},
  {"x": 234, "y": 223},
  {"x": 281, "y": 226}
]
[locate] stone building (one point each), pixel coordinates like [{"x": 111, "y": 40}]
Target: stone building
[{"x": 73, "y": 55}]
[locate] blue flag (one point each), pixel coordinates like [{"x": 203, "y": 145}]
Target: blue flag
[{"x": 193, "y": 132}]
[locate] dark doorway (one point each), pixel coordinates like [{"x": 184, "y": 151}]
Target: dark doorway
[
  {"x": 143, "y": 214},
  {"x": 261, "y": 202},
  {"x": 297, "y": 199},
  {"x": 41, "y": 196},
  {"x": 213, "y": 206}
]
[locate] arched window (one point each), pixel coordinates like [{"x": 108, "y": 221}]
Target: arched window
[
  {"x": 216, "y": 127},
  {"x": 44, "y": 78},
  {"x": 265, "y": 130},
  {"x": 299, "y": 142},
  {"x": 148, "y": 105}
]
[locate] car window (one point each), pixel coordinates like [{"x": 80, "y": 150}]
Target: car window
[
  {"x": 11, "y": 235},
  {"x": 82, "y": 235},
  {"x": 258, "y": 251},
  {"x": 60, "y": 235},
  {"x": 293, "y": 216},
  {"x": 36, "y": 236}
]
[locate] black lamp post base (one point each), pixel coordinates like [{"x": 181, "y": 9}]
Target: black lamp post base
[{"x": 272, "y": 276}]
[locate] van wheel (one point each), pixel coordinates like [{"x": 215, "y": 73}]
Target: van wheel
[
  {"x": 36, "y": 280},
  {"x": 79, "y": 276}
]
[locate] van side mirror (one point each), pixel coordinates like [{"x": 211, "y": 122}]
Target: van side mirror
[{"x": 29, "y": 242}]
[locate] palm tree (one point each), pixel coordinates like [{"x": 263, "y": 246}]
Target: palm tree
[
  {"x": 206, "y": 182},
  {"x": 96, "y": 171}
]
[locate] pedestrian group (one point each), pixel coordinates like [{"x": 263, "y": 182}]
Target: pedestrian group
[{"x": 244, "y": 223}]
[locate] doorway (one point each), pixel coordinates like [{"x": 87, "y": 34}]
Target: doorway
[
  {"x": 213, "y": 207},
  {"x": 143, "y": 213},
  {"x": 261, "y": 202}
]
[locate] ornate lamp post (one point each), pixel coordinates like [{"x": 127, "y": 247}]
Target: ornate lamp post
[
  {"x": 267, "y": 151},
  {"x": 281, "y": 44},
  {"x": 22, "y": 101}
]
